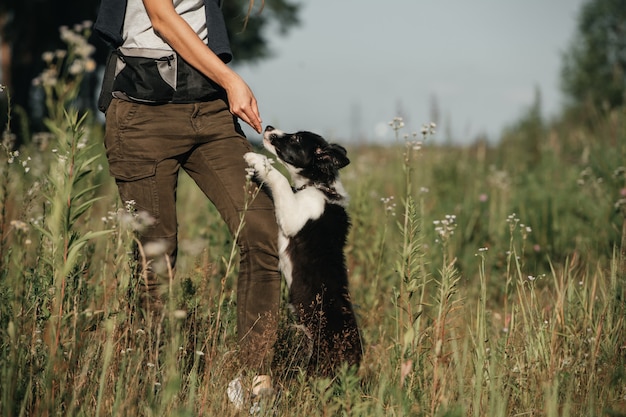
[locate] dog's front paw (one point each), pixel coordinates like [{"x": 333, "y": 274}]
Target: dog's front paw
[
  {"x": 255, "y": 159},
  {"x": 259, "y": 163}
]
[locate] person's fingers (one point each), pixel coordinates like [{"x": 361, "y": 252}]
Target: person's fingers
[
  {"x": 254, "y": 116},
  {"x": 249, "y": 114}
]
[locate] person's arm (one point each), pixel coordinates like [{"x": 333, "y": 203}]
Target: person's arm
[{"x": 180, "y": 36}]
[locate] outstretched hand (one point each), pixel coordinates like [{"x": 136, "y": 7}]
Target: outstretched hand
[{"x": 243, "y": 104}]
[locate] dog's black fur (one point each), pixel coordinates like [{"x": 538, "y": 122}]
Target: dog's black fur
[{"x": 313, "y": 225}]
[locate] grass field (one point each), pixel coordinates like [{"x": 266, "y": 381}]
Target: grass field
[{"x": 488, "y": 281}]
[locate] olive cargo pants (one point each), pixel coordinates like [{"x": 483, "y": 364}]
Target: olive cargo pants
[{"x": 146, "y": 146}]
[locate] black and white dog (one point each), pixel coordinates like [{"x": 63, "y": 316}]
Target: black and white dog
[{"x": 313, "y": 225}]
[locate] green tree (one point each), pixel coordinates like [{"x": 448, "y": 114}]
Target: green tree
[
  {"x": 248, "y": 31},
  {"x": 594, "y": 67}
]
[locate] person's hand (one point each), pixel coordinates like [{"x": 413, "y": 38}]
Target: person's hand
[{"x": 242, "y": 103}]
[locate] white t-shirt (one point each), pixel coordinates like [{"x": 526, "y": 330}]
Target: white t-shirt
[{"x": 140, "y": 34}]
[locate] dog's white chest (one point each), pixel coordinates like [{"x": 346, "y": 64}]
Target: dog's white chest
[{"x": 302, "y": 206}]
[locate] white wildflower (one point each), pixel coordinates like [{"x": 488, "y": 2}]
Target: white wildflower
[
  {"x": 19, "y": 225},
  {"x": 130, "y": 206},
  {"x": 143, "y": 220},
  {"x": 76, "y": 67},
  {"x": 397, "y": 123},
  {"x": 180, "y": 314},
  {"x": 154, "y": 249},
  {"x": 47, "y": 57},
  {"x": 445, "y": 228}
]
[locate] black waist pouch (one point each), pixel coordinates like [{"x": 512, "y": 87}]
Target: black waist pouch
[{"x": 154, "y": 76}]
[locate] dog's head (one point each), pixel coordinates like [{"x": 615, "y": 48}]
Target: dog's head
[{"x": 306, "y": 154}]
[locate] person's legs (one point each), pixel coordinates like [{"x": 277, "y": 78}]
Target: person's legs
[
  {"x": 143, "y": 146},
  {"x": 218, "y": 167},
  {"x": 146, "y": 146}
]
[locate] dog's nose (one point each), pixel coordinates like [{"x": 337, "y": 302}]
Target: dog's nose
[{"x": 269, "y": 128}]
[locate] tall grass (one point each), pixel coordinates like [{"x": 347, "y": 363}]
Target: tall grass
[{"x": 488, "y": 281}]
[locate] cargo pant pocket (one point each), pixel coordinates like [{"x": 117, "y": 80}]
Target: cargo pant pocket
[{"x": 136, "y": 182}]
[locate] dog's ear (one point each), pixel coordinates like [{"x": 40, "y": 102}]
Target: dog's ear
[
  {"x": 335, "y": 154},
  {"x": 340, "y": 155}
]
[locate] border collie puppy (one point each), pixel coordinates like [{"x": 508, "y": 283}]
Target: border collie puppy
[{"x": 313, "y": 225}]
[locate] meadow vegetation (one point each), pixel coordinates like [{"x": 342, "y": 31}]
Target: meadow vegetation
[{"x": 489, "y": 280}]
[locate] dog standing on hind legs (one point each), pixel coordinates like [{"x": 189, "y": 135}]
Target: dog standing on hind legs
[{"x": 313, "y": 227}]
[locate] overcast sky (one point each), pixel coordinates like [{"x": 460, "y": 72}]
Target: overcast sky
[{"x": 353, "y": 65}]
